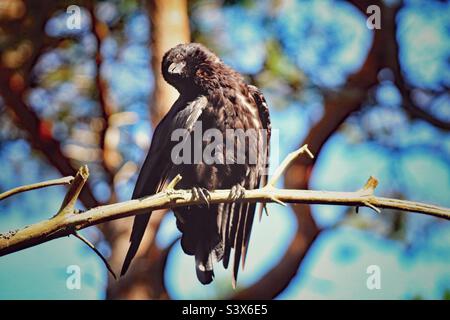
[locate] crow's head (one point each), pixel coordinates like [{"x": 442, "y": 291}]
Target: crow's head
[{"x": 181, "y": 63}]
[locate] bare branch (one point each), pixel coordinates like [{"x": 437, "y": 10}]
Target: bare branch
[
  {"x": 34, "y": 186},
  {"x": 66, "y": 223},
  {"x": 174, "y": 182},
  {"x": 286, "y": 162}
]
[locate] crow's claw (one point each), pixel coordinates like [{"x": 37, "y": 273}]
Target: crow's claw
[
  {"x": 201, "y": 193},
  {"x": 237, "y": 192}
]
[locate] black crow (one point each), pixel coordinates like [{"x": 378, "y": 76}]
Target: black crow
[{"x": 233, "y": 120}]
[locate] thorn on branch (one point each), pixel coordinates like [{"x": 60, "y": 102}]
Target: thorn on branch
[
  {"x": 274, "y": 199},
  {"x": 371, "y": 206},
  {"x": 263, "y": 208},
  {"x": 310, "y": 154}
]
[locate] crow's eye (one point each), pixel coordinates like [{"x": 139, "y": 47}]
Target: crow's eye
[{"x": 179, "y": 56}]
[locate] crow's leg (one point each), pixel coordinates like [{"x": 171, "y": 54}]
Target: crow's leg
[
  {"x": 200, "y": 193},
  {"x": 237, "y": 192}
]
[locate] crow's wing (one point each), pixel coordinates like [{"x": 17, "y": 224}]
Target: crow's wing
[
  {"x": 262, "y": 164},
  {"x": 158, "y": 163},
  {"x": 237, "y": 218}
]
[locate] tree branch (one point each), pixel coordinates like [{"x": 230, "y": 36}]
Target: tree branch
[
  {"x": 66, "y": 224},
  {"x": 34, "y": 186},
  {"x": 393, "y": 62}
]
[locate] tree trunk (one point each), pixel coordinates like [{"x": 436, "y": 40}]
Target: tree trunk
[
  {"x": 144, "y": 280},
  {"x": 169, "y": 27}
]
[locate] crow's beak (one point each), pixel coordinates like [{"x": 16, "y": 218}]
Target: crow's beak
[{"x": 176, "y": 67}]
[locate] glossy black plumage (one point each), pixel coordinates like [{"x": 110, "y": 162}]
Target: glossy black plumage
[{"x": 215, "y": 96}]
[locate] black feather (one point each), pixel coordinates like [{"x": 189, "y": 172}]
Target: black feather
[{"x": 217, "y": 96}]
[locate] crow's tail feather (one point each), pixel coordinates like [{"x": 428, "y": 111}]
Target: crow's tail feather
[
  {"x": 204, "y": 263},
  {"x": 139, "y": 226}
]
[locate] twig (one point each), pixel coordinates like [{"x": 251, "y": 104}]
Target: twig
[
  {"x": 39, "y": 185},
  {"x": 90, "y": 245},
  {"x": 279, "y": 171},
  {"x": 172, "y": 184},
  {"x": 286, "y": 162}
]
